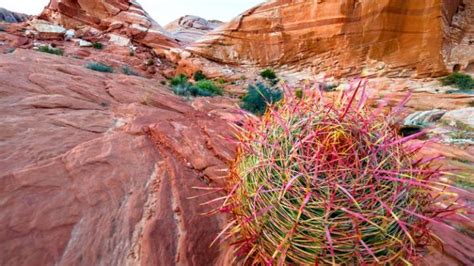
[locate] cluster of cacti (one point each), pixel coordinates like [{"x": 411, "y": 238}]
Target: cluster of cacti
[{"x": 327, "y": 182}]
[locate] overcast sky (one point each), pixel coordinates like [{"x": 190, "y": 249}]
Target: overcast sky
[{"x": 163, "y": 11}]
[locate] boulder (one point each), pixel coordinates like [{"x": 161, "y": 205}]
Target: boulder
[
  {"x": 460, "y": 118},
  {"x": 423, "y": 118},
  {"x": 119, "y": 40},
  {"x": 47, "y": 30}
]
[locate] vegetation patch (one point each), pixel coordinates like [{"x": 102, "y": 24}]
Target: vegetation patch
[
  {"x": 259, "y": 97},
  {"x": 98, "y": 45},
  {"x": 461, "y": 81},
  {"x": 51, "y": 50},
  {"x": 150, "y": 62},
  {"x": 268, "y": 74},
  {"x": 203, "y": 88},
  {"x": 99, "y": 67},
  {"x": 199, "y": 75}
]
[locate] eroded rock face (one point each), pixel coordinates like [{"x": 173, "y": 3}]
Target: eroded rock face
[
  {"x": 340, "y": 37},
  {"x": 98, "y": 169},
  {"x": 189, "y": 28},
  {"x": 125, "y": 17}
]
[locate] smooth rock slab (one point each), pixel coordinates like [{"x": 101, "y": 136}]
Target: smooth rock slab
[{"x": 92, "y": 174}]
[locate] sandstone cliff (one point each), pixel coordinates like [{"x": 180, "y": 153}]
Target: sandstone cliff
[
  {"x": 340, "y": 37},
  {"x": 125, "y": 17}
]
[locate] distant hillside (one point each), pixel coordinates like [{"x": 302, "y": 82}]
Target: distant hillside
[{"x": 12, "y": 17}]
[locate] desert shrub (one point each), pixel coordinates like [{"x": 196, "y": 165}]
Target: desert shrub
[
  {"x": 180, "y": 79},
  {"x": 100, "y": 67},
  {"x": 203, "y": 88},
  {"x": 198, "y": 75},
  {"x": 208, "y": 86},
  {"x": 299, "y": 93},
  {"x": 459, "y": 80},
  {"x": 222, "y": 81},
  {"x": 128, "y": 71},
  {"x": 51, "y": 50},
  {"x": 258, "y": 97},
  {"x": 150, "y": 62},
  {"x": 97, "y": 45},
  {"x": 268, "y": 74},
  {"x": 325, "y": 183}
]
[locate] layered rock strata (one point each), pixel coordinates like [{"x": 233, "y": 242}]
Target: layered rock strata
[{"x": 340, "y": 37}]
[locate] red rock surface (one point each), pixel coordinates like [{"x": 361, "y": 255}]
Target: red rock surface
[
  {"x": 342, "y": 37},
  {"x": 98, "y": 168},
  {"x": 125, "y": 17}
]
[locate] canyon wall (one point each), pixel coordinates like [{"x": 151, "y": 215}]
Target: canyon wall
[{"x": 341, "y": 37}]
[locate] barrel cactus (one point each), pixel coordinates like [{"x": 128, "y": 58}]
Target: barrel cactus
[{"x": 327, "y": 182}]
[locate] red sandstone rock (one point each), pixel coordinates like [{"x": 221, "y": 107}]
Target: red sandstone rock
[
  {"x": 341, "y": 37},
  {"x": 124, "y": 17},
  {"x": 93, "y": 167}
]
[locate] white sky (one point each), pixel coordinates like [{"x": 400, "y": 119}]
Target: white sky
[{"x": 163, "y": 11}]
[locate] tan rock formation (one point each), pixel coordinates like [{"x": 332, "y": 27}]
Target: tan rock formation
[
  {"x": 340, "y": 37},
  {"x": 188, "y": 29},
  {"x": 125, "y": 17}
]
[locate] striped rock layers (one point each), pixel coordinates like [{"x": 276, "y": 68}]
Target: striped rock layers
[{"x": 343, "y": 36}]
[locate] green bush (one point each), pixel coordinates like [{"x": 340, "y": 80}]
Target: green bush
[
  {"x": 459, "y": 80},
  {"x": 50, "y": 50},
  {"x": 97, "y": 45},
  {"x": 150, "y": 62},
  {"x": 268, "y": 74},
  {"x": 100, "y": 67},
  {"x": 203, "y": 88},
  {"x": 180, "y": 79},
  {"x": 198, "y": 75},
  {"x": 259, "y": 97},
  {"x": 208, "y": 86}
]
